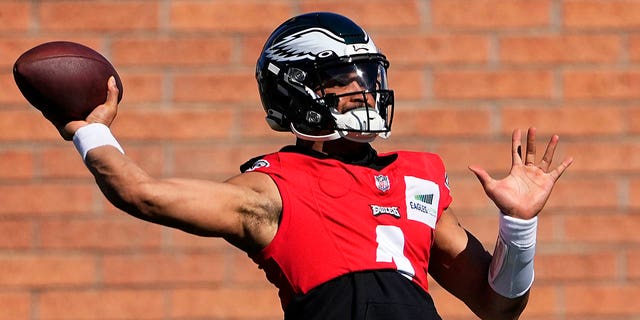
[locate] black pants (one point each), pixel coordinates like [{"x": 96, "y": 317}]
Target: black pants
[{"x": 372, "y": 295}]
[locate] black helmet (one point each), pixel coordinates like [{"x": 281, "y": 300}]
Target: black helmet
[{"x": 310, "y": 52}]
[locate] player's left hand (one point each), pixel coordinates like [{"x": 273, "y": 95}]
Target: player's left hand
[{"x": 524, "y": 192}]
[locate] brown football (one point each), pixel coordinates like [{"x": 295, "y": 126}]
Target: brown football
[{"x": 65, "y": 80}]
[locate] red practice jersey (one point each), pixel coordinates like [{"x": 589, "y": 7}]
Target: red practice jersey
[{"x": 340, "y": 218}]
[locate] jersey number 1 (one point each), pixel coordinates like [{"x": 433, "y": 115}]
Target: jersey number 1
[{"x": 390, "y": 241}]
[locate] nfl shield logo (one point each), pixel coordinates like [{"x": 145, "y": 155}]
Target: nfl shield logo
[{"x": 382, "y": 182}]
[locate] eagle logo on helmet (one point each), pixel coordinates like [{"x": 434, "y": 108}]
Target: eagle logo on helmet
[{"x": 316, "y": 42}]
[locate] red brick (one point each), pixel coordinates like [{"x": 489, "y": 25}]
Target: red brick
[
  {"x": 114, "y": 16},
  {"x": 443, "y": 122},
  {"x": 608, "y": 84},
  {"x": 483, "y": 226},
  {"x": 20, "y": 303},
  {"x": 224, "y": 87},
  {"x": 604, "y": 157},
  {"x": 416, "y": 50},
  {"x": 12, "y": 48},
  {"x": 16, "y": 164},
  {"x": 587, "y": 266},
  {"x": 448, "y": 306},
  {"x": 492, "y": 85},
  {"x": 549, "y": 225},
  {"x": 634, "y": 48},
  {"x": 229, "y": 16},
  {"x": 603, "y": 228},
  {"x": 565, "y": 120},
  {"x": 490, "y": 14},
  {"x": 544, "y": 301},
  {"x": 150, "y": 158},
  {"x": 62, "y": 162},
  {"x": 468, "y": 195},
  {"x": 163, "y": 268},
  {"x": 46, "y": 199},
  {"x": 10, "y": 94},
  {"x": 100, "y": 234},
  {"x": 583, "y": 194},
  {"x": 633, "y": 264},
  {"x": 252, "y": 47},
  {"x": 246, "y": 151},
  {"x": 102, "y": 304},
  {"x": 601, "y": 14},
  {"x": 632, "y": 115},
  {"x": 602, "y": 299},
  {"x": 226, "y": 303},
  {"x": 26, "y": 125},
  {"x": 66, "y": 162},
  {"x": 407, "y": 84},
  {"x": 372, "y": 14},
  {"x": 495, "y": 157},
  {"x": 14, "y": 16},
  {"x": 146, "y": 87},
  {"x": 560, "y": 49},
  {"x": 203, "y": 161},
  {"x": 176, "y": 52},
  {"x": 41, "y": 271},
  {"x": 245, "y": 272},
  {"x": 178, "y": 239},
  {"x": 634, "y": 193},
  {"x": 178, "y": 124},
  {"x": 16, "y": 234},
  {"x": 219, "y": 162}
]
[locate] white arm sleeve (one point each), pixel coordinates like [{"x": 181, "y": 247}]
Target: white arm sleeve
[{"x": 511, "y": 272}]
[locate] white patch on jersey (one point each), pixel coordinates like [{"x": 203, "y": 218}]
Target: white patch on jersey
[
  {"x": 259, "y": 164},
  {"x": 391, "y": 249},
  {"x": 422, "y": 198},
  {"x": 313, "y": 42}
]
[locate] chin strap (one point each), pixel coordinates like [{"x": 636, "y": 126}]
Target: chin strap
[{"x": 366, "y": 122}]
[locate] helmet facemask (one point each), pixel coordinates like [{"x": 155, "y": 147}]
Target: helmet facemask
[{"x": 361, "y": 110}]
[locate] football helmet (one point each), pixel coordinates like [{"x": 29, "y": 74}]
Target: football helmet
[{"x": 310, "y": 53}]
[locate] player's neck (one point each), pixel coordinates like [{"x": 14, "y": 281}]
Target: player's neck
[{"x": 341, "y": 147}]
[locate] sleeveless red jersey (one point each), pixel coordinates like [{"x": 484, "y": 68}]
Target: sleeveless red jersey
[{"x": 339, "y": 218}]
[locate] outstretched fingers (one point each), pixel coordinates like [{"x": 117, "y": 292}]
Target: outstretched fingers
[
  {"x": 545, "y": 163},
  {"x": 482, "y": 175},
  {"x": 530, "y": 158},
  {"x": 516, "y": 148},
  {"x": 559, "y": 170}
]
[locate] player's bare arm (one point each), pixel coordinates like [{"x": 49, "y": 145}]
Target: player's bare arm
[
  {"x": 459, "y": 261},
  {"x": 244, "y": 209}
]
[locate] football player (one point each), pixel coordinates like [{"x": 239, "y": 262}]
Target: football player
[{"x": 343, "y": 231}]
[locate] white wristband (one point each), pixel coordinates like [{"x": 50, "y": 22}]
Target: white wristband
[
  {"x": 92, "y": 136},
  {"x": 511, "y": 272}
]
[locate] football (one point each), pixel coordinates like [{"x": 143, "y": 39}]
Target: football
[{"x": 64, "y": 80}]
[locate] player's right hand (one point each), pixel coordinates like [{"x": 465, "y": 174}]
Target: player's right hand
[{"x": 104, "y": 113}]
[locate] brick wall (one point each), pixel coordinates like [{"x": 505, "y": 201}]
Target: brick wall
[{"x": 465, "y": 74}]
